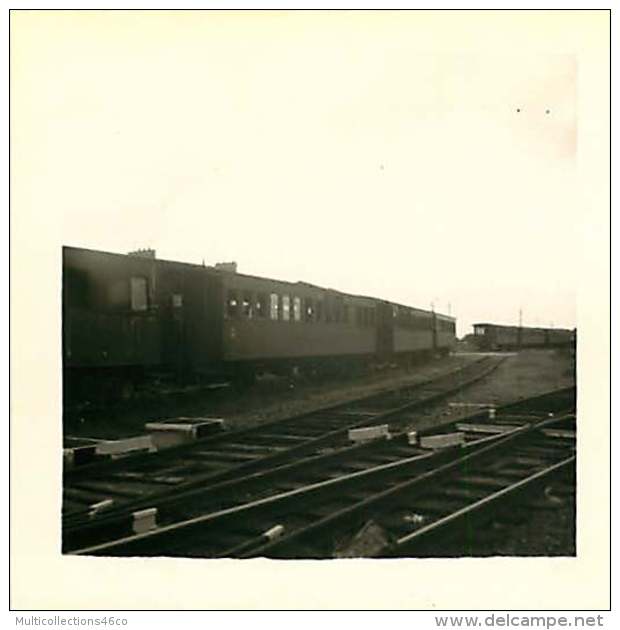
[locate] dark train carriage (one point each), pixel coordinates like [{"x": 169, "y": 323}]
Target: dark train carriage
[
  {"x": 128, "y": 316},
  {"x": 414, "y": 330},
  {"x": 189, "y": 301},
  {"x": 271, "y": 322},
  {"x": 109, "y": 320},
  {"x": 445, "y": 327}
]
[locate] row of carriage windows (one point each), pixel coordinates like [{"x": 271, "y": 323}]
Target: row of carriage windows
[
  {"x": 408, "y": 318},
  {"x": 277, "y": 307},
  {"x": 289, "y": 308},
  {"x": 293, "y": 308}
]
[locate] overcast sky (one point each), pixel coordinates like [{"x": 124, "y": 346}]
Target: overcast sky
[{"x": 345, "y": 150}]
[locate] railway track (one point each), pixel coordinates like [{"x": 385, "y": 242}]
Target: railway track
[
  {"x": 451, "y": 503},
  {"x": 98, "y": 489},
  {"x": 304, "y": 500}
]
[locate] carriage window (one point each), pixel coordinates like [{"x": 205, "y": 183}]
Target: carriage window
[
  {"x": 345, "y": 313},
  {"x": 286, "y": 308},
  {"x": 247, "y": 305},
  {"x": 371, "y": 316},
  {"x": 319, "y": 310},
  {"x": 139, "y": 299},
  {"x": 296, "y": 309},
  {"x": 232, "y": 303},
  {"x": 261, "y": 305},
  {"x": 273, "y": 306},
  {"x": 309, "y": 310}
]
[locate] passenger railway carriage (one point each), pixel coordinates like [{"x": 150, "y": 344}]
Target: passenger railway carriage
[{"x": 125, "y": 316}]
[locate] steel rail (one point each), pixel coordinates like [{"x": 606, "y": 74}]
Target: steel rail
[
  {"x": 375, "y": 503},
  {"x": 316, "y": 467},
  {"x": 406, "y": 543},
  {"x": 309, "y": 446},
  {"x": 144, "y": 543}
]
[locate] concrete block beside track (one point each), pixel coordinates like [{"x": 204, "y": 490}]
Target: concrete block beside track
[
  {"x": 118, "y": 448},
  {"x": 443, "y": 440},
  {"x": 87, "y": 451},
  {"x": 182, "y": 430},
  {"x": 369, "y": 433},
  {"x": 144, "y": 520}
]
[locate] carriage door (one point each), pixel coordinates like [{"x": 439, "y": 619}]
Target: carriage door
[{"x": 177, "y": 332}]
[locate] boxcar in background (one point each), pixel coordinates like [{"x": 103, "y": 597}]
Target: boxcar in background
[{"x": 495, "y": 337}]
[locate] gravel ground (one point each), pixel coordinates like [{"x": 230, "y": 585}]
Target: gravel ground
[
  {"x": 546, "y": 525},
  {"x": 542, "y": 526},
  {"x": 262, "y": 402},
  {"x": 525, "y": 374},
  {"x": 520, "y": 375}
]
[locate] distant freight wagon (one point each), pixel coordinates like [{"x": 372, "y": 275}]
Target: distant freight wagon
[
  {"x": 494, "y": 337},
  {"x": 128, "y": 316}
]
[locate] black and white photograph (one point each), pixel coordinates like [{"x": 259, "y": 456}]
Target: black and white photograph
[{"x": 314, "y": 286}]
